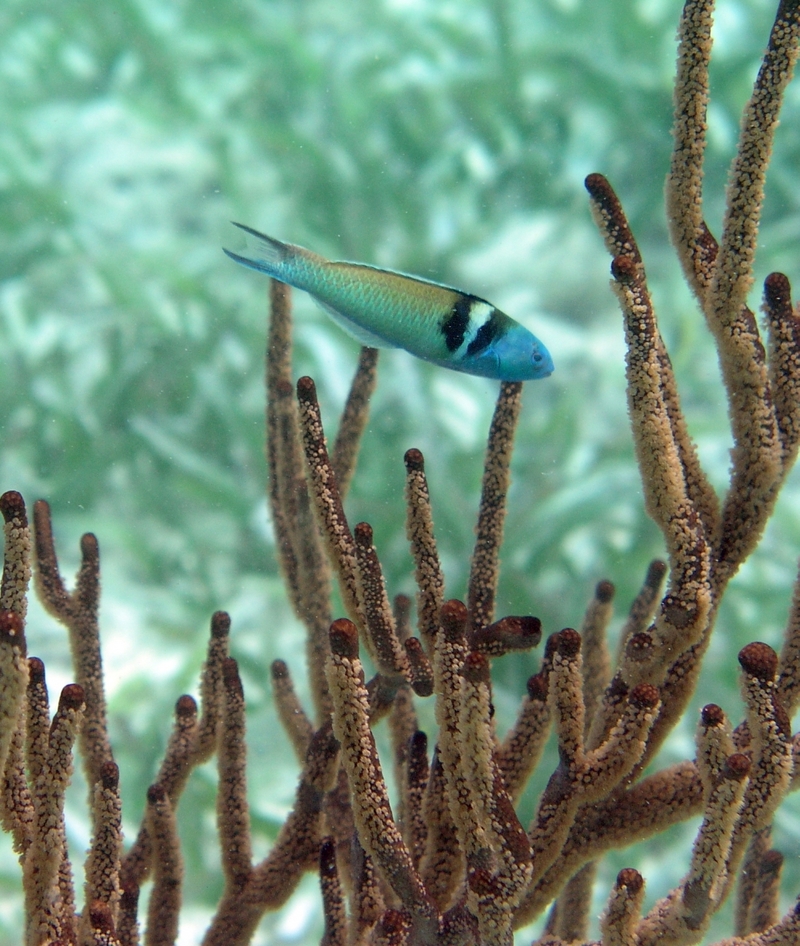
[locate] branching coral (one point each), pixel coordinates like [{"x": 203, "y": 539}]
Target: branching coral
[{"x": 454, "y": 864}]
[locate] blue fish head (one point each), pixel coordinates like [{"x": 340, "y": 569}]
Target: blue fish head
[{"x": 517, "y": 355}]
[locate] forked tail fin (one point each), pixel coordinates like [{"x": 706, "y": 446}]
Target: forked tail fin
[{"x": 262, "y": 253}]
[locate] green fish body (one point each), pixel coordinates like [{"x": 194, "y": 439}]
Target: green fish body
[{"x": 385, "y": 309}]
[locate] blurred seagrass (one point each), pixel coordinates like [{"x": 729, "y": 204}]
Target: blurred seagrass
[{"x": 457, "y": 865}]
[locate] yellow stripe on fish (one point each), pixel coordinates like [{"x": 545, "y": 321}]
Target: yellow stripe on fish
[{"x": 385, "y": 309}]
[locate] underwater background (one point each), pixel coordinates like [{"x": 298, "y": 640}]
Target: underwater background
[{"x": 446, "y": 138}]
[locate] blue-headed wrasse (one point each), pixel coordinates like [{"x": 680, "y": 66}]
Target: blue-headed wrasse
[{"x": 384, "y": 309}]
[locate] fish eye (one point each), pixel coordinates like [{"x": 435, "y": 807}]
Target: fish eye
[{"x": 538, "y": 356}]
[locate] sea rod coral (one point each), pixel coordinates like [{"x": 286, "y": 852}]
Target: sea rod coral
[{"x": 452, "y": 863}]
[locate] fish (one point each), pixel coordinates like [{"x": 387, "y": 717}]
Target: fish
[{"x": 382, "y": 308}]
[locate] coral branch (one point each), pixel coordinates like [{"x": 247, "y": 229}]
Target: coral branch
[
  {"x": 354, "y": 419},
  {"x": 443, "y": 866},
  {"x": 764, "y": 907},
  {"x": 643, "y": 607},
  {"x": 233, "y": 812},
  {"x": 415, "y": 824},
  {"x": 28, "y": 746},
  {"x": 300, "y": 553},
  {"x": 13, "y": 680},
  {"x": 165, "y": 900},
  {"x": 757, "y": 461},
  {"x": 270, "y": 883},
  {"x": 783, "y": 335},
  {"x": 16, "y": 554},
  {"x": 373, "y": 817},
  {"x": 498, "y": 873},
  {"x": 332, "y": 900},
  {"x": 78, "y": 612},
  {"x": 618, "y": 924},
  {"x": 596, "y": 658},
  {"x": 191, "y": 743},
  {"x": 771, "y": 748},
  {"x": 523, "y": 745},
  {"x": 103, "y": 861},
  {"x": 389, "y": 654},
  {"x": 419, "y": 529},
  {"x": 327, "y": 502},
  {"x": 484, "y": 570},
  {"x": 734, "y": 266},
  {"x": 297, "y": 725},
  {"x": 46, "y": 870},
  {"x": 696, "y": 248},
  {"x": 652, "y": 393}
]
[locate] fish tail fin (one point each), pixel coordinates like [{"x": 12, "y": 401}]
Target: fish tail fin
[{"x": 263, "y": 253}]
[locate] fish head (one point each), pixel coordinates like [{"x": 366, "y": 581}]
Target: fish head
[{"x": 514, "y": 355}]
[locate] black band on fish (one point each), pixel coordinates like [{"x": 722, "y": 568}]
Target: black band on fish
[
  {"x": 455, "y": 326},
  {"x": 485, "y": 335}
]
